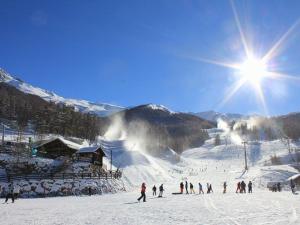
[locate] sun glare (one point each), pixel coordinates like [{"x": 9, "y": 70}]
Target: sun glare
[{"x": 253, "y": 70}]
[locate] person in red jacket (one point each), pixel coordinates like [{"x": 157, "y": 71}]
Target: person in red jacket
[
  {"x": 181, "y": 187},
  {"x": 238, "y": 187},
  {"x": 143, "y": 192}
]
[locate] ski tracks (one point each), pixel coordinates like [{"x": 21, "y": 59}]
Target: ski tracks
[{"x": 211, "y": 207}]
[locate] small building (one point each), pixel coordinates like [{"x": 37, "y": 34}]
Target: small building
[
  {"x": 92, "y": 154},
  {"x": 295, "y": 178},
  {"x": 56, "y": 147}
]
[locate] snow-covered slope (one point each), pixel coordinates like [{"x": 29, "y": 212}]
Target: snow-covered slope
[
  {"x": 214, "y": 116},
  {"x": 101, "y": 109},
  {"x": 259, "y": 208},
  {"x": 208, "y": 163}
]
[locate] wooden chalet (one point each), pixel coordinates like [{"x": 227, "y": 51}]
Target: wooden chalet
[
  {"x": 92, "y": 154},
  {"x": 295, "y": 178},
  {"x": 56, "y": 147}
]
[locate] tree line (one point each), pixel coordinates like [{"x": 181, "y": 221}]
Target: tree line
[{"x": 32, "y": 112}]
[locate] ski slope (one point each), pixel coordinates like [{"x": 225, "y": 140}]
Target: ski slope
[
  {"x": 259, "y": 208},
  {"x": 208, "y": 163}
]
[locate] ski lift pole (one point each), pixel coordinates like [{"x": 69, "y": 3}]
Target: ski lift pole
[
  {"x": 245, "y": 152},
  {"x": 111, "y": 162}
]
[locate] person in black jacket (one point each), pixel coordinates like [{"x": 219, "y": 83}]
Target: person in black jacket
[
  {"x": 161, "y": 190},
  {"x": 192, "y": 188},
  {"x": 200, "y": 189},
  {"x": 154, "y": 190},
  {"x": 10, "y": 193},
  {"x": 224, "y": 187},
  {"x": 278, "y": 187},
  {"x": 250, "y": 187},
  {"x": 186, "y": 187},
  {"x": 293, "y": 186}
]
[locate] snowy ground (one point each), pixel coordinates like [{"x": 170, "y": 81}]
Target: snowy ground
[
  {"x": 209, "y": 163},
  {"x": 261, "y": 207}
]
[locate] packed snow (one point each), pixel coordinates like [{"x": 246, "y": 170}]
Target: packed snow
[{"x": 259, "y": 208}]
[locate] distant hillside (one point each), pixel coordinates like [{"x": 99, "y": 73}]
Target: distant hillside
[
  {"x": 290, "y": 125},
  {"x": 214, "y": 116},
  {"x": 165, "y": 128},
  {"x": 101, "y": 109}
]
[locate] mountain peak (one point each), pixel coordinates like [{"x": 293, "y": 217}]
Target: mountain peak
[
  {"x": 159, "y": 107},
  {"x": 100, "y": 109},
  {"x": 5, "y": 76}
]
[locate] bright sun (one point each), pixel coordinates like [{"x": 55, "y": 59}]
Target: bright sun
[{"x": 253, "y": 70}]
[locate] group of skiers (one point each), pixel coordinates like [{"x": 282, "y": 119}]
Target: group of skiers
[
  {"x": 192, "y": 191},
  {"x": 161, "y": 190},
  {"x": 191, "y": 186},
  {"x": 189, "y": 189},
  {"x": 143, "y": 192},
  {"x": 241, "y": 187}
]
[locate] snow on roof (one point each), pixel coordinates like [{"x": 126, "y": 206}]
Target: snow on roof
[
  {"x": 89, "y": 149},
  {"x": 70, "y": 144},
  {"x": 294, "y": 177}
]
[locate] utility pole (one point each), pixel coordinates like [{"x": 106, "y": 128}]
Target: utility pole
[
  {"x": 289, "y": 145},
  {"x": 244, "y": 143},
  {"x": 3, "y": 131}
]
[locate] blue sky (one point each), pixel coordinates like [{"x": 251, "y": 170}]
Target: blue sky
[{"x": 136, "y": 52}]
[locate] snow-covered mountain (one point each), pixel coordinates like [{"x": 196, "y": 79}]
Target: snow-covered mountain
[
  {"x": 214, "y": 116},
  {"x": 101, "y": 109},
  {"x": 159, "y": 108}
]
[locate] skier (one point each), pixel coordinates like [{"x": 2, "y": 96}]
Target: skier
[
  {"x": 243, "y": 187},
  {"x": 10, "y": 193},
  {"x": 181, "y": 187},
  {"x": 143, "y": 193},
  {"x": 186, "y": 187},
  {"x": 192, "y": 188},
  {"x": 250, "y": 187},
  {"x": 161, "y": 190},
  {"x": 154, "y": 190},
  {"x": 200, "y": 189},
  {"x": 238, "y": 188},
  {"x": 279, "y": 187},
  {"x": 293, "y": 186},
  {"x": 224, "y": 187},
  {"x": 210, "y": 188}
]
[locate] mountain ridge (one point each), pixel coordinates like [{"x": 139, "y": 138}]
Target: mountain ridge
[{"x": 100, "y": 109}]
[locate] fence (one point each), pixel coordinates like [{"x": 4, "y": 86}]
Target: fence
[
  {"x": 63, "y": 176},
  {"x": 3, "y": 178}
]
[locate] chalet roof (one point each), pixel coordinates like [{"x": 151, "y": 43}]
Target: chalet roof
[
  {"x": 70, "y": 144},
  {"x": 91, "y": 149},
  {"x": 296, "y": 176}
]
